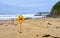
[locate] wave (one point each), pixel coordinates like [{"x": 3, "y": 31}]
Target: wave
[{"x": 5, "y": 17}]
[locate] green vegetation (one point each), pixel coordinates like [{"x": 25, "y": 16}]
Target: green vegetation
[
  {"x": 56, "y": 7},
  {"x": 55, "y": 11}
]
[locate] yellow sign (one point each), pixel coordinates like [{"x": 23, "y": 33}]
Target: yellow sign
[{"x": 20, "y": 19}]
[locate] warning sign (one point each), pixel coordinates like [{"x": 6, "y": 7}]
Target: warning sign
[{"x": 20, "y": 19}]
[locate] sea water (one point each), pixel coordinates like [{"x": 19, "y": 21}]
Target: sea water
[{"x": 5, "y": 17}]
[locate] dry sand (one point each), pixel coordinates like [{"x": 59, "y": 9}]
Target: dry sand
[{"x": 32, "y": 28}]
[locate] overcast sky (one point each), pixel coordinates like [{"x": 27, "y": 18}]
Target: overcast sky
[{"x": 25, "y": 6}]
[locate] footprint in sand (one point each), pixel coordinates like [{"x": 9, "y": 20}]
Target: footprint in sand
[
  {"x": 57, "y": 27},
  {"x": 46, "y": 35},
  {"x": 55, "y": 37},
  {"x": 6, "y": 25},
  {"x": 37, "y": 35},
  {"x": 49, "y": 23},
  {"x": 1, "y": 23}
]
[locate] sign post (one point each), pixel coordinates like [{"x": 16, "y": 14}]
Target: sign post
[{"x": 20, "y": 19}]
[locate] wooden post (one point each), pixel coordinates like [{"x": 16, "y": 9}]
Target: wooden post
[{"x": 20, "y": 28}]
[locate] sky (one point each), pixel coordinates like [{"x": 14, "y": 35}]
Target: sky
[{"x": 26, "y": 6}]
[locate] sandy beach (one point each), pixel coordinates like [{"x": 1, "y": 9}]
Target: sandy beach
[{"x": 32, "y": 28}]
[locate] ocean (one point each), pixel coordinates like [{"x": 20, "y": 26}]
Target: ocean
[{"x": 6, "y": 17}]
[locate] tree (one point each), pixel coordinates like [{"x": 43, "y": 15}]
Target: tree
[{"x": 55, "y": 9}]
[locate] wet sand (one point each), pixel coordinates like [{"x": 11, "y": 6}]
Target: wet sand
[{"x": 32, "y": 28}]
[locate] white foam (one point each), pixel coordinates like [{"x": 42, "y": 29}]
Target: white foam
[{"x": 5, "y": 17}]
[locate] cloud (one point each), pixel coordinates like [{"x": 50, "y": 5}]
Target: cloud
[{"x": 26, "y": 5}]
